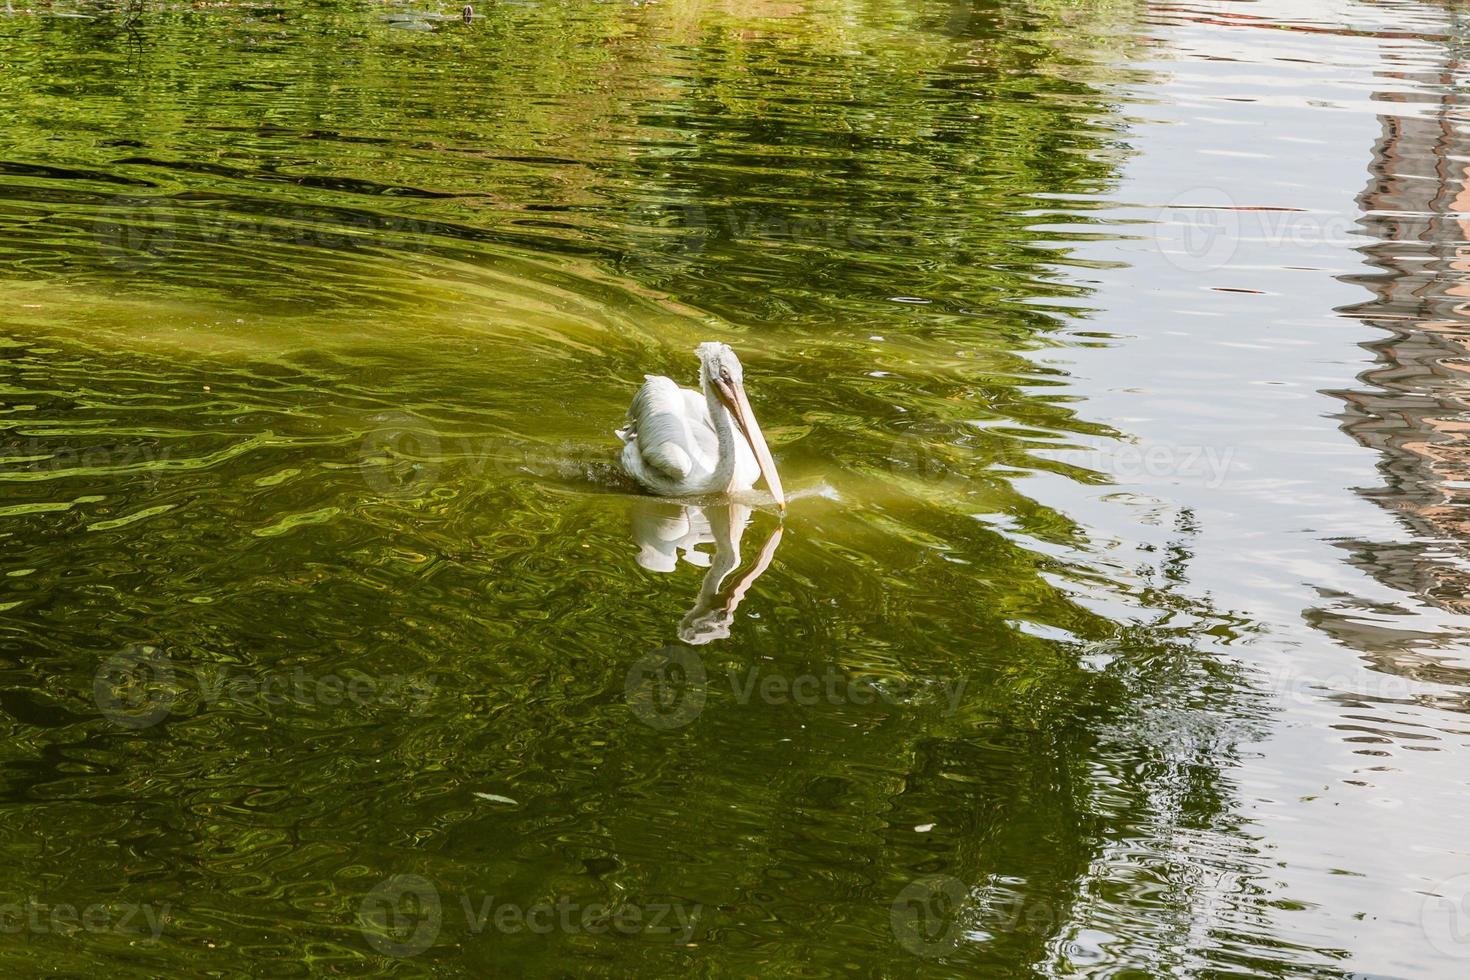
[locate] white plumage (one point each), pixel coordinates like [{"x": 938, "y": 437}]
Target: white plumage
[{"x": 679, "y": 442}]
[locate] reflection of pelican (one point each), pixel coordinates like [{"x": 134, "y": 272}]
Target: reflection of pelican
[
  {"x": 681, "y": 443},
  {"x": 663, "y": 530}
]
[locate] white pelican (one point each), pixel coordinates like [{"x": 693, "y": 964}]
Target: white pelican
[{"x": 681, "y": 443}]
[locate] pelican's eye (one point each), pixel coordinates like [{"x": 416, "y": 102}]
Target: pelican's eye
[{"x": 725, "y": 376}]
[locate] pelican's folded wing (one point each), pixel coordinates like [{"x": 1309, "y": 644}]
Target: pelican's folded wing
[{"x": 658, "y": 421}]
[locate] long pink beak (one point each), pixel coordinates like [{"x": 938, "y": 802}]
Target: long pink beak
[{"x": 739, "y": 405}]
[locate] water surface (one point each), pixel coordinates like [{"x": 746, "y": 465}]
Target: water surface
[{"x": 1111, "y": 355}]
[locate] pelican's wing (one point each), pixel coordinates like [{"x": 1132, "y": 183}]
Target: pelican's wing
[{"x": 669, "y": 436}]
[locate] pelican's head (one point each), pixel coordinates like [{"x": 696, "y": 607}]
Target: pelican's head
[
  {"x": 720, "y": 371},
  {"x": 716, "y": 359}
]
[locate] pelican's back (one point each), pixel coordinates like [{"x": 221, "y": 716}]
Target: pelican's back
[{"x": 668, "y": 436}]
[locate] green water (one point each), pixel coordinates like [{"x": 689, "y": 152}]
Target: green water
[{"x": 332, "y": 642}]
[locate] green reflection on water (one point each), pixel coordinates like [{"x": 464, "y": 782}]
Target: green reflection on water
[{"x": 317, "y": 331}]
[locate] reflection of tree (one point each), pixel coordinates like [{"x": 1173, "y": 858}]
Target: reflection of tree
[
  {"x": 914, "y": 140},
  {"x": 1412, "y": 405},
  {"x": 614, "y": 154}
]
